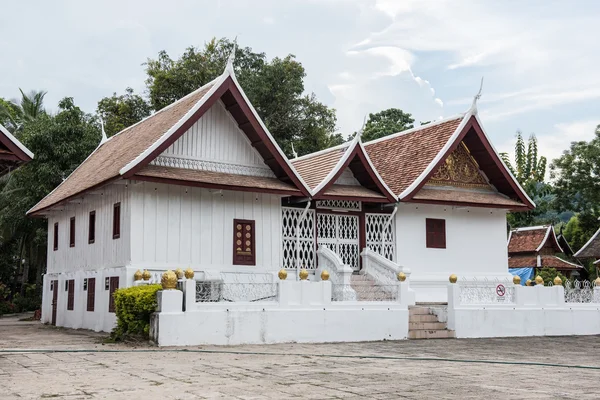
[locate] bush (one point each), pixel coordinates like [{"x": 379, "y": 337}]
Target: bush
[
  {"x": 548, "y": 274},
  {"x": 133, "y": 307}
]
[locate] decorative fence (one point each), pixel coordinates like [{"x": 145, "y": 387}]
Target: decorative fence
[
  {"x": 383, "y": 243},
  {"x": 237, "y": 288},
  {"x": 486, "y": 291},
  {"x": 289, "y": 224},
  {"x": 581, "y": 292}
]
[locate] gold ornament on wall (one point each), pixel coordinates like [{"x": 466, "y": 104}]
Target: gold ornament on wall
[
  {"x": 146, "y": 275},
  {"x": 557, "y": 281},
  {"x": 303, "y": 274},
  {"x": 539, "y": 280},
  {"x": 528, "y": 282},
  {"x": 189, "y": 273},
  {"x": 453, "y": 278},
  {"x": 401, "y": 276},
  {"x": 460, "y": 169},
  {"x": 179, "y": 273},
  {"x": 137, "y": 276},
  {"x": 169, "y": 280},
  {"x": 282, "y": 274},
  {"x": 517, "y": 280},
  {"x": 325, "y": 275}
]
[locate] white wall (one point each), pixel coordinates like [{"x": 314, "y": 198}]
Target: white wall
[
  {"x": 99, "y": 319},
  {"x": 475, "y": 246},
  {"x": 105, "y": 252},
  {"x": 215, "y": 138},
  {"x": 180, "y": 227}
]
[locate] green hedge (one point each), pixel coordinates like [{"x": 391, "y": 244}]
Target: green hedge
[{"x": 133, "y": 307}]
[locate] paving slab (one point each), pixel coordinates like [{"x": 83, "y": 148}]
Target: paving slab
[{"x": 39, "y": 361}]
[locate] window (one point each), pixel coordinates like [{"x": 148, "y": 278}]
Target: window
[
  {"x": 72, "y": 232},
  {"x": 436, "y": 233},
  {"x": 113, "y": 286},
  {"x": 71, "y": 294},
  {"x": 85, "y": 284},
  {"x": 117, "y": 221},
  {"x": 55, "y": 236},
  {"x": 244, "y": 242},
  {"x": 91, "y": 294},
  {"x": 92, "y": 227}
]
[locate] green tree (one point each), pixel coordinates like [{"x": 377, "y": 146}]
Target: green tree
[
  {"x": 275, "y": 88},
  {"x": 530, "y": 169},
  {"x": 119, "y": 112},
  {"x": 548, "y": 275},
  {"x": 28, "y": 109},
  {"x": 60, "y": 143},
  {"x": 385, "y": 123}
]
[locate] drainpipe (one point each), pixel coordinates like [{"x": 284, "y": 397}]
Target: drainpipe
[
  {"x": 387, "y": 224},
  {"x": 302, "y": 216}
]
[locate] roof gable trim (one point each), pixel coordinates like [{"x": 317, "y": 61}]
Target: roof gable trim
[{"x": 14, "y": 145}]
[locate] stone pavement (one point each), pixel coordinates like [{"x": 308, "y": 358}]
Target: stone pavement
[{"x": 292, "y": 371}]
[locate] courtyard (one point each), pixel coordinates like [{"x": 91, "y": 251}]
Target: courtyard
[{"x": 38, "y": 361}]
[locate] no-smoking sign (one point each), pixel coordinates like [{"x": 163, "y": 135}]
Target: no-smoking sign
[{"x": 500, "y": 290}]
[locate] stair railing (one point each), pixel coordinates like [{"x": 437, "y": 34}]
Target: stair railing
[
  {"x": 340, "y": 274},
  {"x": 380, "y": 269}
]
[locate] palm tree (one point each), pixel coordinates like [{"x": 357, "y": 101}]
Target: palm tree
[{"x": 30, "y": 108}]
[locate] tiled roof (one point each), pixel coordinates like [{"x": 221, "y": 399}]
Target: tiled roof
[
  {"x": 522, "y": 262},
  {"x": 401, "y": 158},
  {"x": 523, "y": 241},
  {"x": 107, "y": 160},
  {"x": 314, "y": 168},
  {"x": 558, "y": 263},
  {"x": 216, "y": 178},
  {"x": 592, "y": 248},
  {"x": 472, "y": 197}
]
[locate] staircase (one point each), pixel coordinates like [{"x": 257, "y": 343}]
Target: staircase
[
  {"x": 368, "y": 290},
  {"x": 423, "y": 323}
]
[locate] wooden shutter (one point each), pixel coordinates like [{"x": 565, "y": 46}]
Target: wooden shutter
[
  {"x": 72, "y": 232},
  {"x": 92, "y": 228},
  {"x": 71, "y": 295},
  {"x": 114, "y": 285},
  {"x": 91, "y": 294},
  {"x": 117, "y": 221},
  {"x": 55, "y": 236},
  {"x": 436, "y": 233},
  {"x": 244, "y": 242}
]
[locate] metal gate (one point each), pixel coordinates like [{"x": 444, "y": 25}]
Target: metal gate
[{"x": 340, "y": 234}]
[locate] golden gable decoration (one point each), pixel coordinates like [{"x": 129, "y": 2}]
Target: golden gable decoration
[{"x": 460, "y": 169}]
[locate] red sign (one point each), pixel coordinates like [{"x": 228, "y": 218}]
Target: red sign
[{"x": 500, "y": 290}]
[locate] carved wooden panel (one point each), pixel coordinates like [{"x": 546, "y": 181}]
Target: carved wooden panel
[{"x": 459, "y": 169}]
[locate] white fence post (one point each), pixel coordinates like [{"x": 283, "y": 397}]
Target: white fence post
[
  {"x": 453, "y": 302},
  {"x": 169, "y": 301}
]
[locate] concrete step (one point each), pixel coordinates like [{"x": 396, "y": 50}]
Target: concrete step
[
  {"x": 418, "y": 310},
  {"x": 431, "y": 334},
  {"x": 422, "y": 318},
  {"x": 427, "y": 326}
]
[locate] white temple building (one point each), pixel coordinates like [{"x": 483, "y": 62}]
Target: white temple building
[{"x": 202, "y": 184}]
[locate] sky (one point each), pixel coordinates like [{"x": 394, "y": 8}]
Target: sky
[{"x": 539, "y": 59}]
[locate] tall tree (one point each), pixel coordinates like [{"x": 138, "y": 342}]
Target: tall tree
[
  {"x": 385, "y": 123},
  {"x": 576, "y": 177},
  {"x": 530, "y": 170},
  {"x": 60, "y": 143},
  {"x": 275, "y": 88},
  {"x": 28, "y": 109},
  {"x": 122, "y": 111}
]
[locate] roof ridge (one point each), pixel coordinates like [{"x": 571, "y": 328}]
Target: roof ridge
[{"x": 320, "y": 152}]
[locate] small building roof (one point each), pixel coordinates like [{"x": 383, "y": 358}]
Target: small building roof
[
  {"x": 545, "y": 261},
  {"x": 12, "y": 152},
  {"x": 591, "y": 249},
  {"x": 532, "y": 239}
]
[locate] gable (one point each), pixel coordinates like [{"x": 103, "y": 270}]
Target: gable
[
  {"x": 459, "y": 170},
  {"x": 347, "y": 178},
  {"x": 215, "y": 143}
]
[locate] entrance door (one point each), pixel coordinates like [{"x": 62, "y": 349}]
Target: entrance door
[
  {"x": 340, "y": 233},
  {"x": 54, "y": 300}
]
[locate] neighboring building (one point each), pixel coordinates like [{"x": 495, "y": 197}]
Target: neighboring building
[
  {"x": 202, "y": 184},
  {"x": 591, "y": 250},
  {"x": 12, "y": 152},
  {"x": 537, "y": 247}
]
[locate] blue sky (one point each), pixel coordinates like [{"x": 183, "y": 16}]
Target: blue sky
[{"x": 540, "y": 59}]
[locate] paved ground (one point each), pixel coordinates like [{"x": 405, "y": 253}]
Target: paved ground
[{"x": 70, "y": 367}]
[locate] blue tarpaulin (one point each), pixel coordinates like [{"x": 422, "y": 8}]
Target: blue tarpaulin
[{"x": 523, "y": 273}]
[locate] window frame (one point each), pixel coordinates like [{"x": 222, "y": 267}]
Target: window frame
[
  {"x": 117, "y": 220},
  {"x": 91, "y": 294},
  {"x": 70, "y": 294},
  {"x": 113, "y": 286},
  {"x": 92, "y": 227},
  {"x": 72, "y": 224},
  {"x": 435, "y": 233},
  {"x": 244, "y": 259},
  {"x": 55, "y": 246}
]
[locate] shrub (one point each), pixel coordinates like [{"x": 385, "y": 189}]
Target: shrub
[
  {"x": 133, "y": 307},
  {"x": 548, "y": 274}
]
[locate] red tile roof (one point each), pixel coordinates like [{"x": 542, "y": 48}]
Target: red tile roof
[
  {"x": 523, "y": 241},
  {"x": 467, "y": 197},
  {"x": 315, "y": 168}
]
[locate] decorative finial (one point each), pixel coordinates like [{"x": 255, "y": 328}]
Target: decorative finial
[
  {"x": 362, "y": 129},
  {"x": 231, "y": 58},
  {"x": 104, "y": 138},
  {"x": 294, "y": 154},
  {"x": 477, "y": 97}
]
